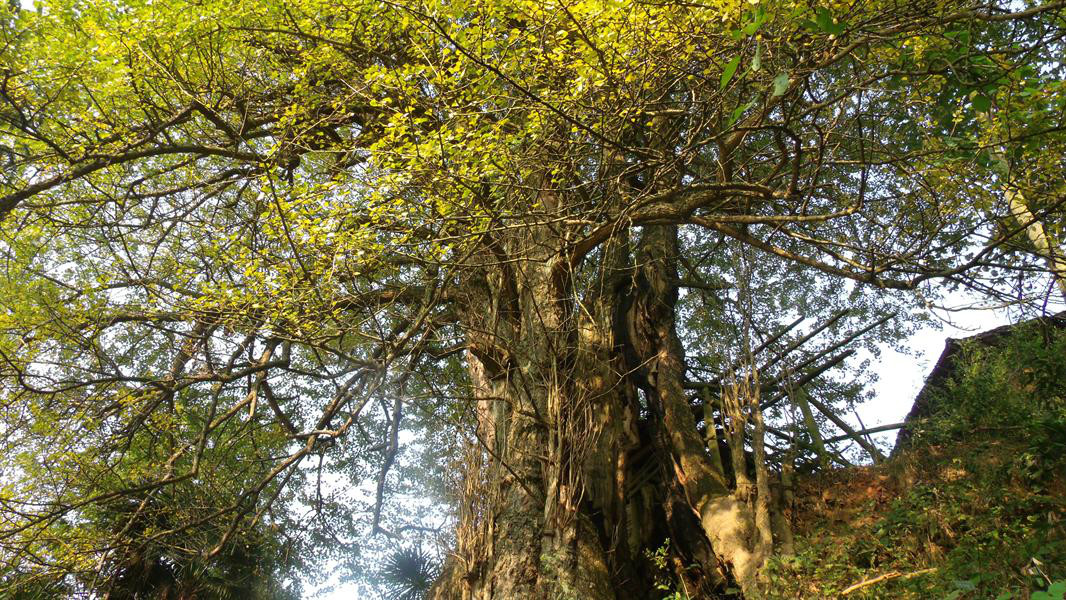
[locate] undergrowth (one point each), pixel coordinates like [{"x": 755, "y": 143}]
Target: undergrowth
[{"x": 976, "y": 508}]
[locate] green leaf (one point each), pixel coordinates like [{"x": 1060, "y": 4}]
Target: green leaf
[
  {"x": 824, "y": 19},
  {"x": 825, "y": 22},
  {"x": 729, "y": 71},
  {"x": 982, "y": 103},
  {"x": 780, "y": 84},
  {"x": 758, "y": 18},
  {"x": 738, "y": 112},
  {"x": 1000, "y": 165}
]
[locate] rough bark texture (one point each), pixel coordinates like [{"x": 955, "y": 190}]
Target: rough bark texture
[{"x": 588, "y": 456}]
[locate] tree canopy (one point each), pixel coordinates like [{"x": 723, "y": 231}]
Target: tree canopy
[{"x": 253, "y": 252}]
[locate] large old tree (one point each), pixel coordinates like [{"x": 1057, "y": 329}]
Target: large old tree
[{"x": 254, "y": 253}]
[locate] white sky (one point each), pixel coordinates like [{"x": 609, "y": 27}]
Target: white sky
[{"x": 901, "y": 376}]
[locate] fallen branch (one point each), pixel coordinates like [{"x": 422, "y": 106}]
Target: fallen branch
[{"x": 886, "y": 576}]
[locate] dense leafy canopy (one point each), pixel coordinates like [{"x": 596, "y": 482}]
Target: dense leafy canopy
[{"x": 238, "y": 238}]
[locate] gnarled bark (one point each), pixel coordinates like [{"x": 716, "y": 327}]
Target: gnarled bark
[{"x": 588, "y": 456}]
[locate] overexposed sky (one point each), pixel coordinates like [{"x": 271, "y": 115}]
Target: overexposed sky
[{"x": 901, "y": 376}]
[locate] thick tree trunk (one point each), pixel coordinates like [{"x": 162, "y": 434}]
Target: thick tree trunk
[
  {"x": 523, "y": 532},
  {"x": 726, "y": 518},
  {"x": 588, "y": 456}
]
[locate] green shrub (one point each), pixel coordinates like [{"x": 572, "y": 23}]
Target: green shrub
[
  {"x": 1015, "y": 389},
  {"x": 981, "y": 509}
]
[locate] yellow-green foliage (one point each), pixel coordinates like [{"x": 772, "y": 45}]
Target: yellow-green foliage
[{"x": 177, "y": 176}]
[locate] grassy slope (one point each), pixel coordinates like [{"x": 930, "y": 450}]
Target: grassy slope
[
  {"x": 975, "y": 509},
  {"x": 954, "y": 522}
]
